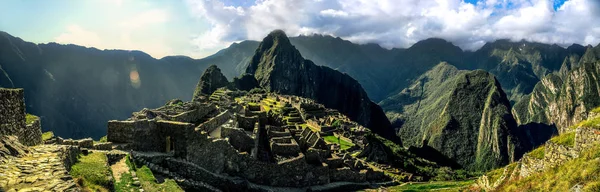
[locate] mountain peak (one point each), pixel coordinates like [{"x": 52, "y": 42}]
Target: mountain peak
[{"x": 275, "y": 39}]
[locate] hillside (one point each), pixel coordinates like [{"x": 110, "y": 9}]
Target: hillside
[
  {"x": 569, "y": 161},
  {"x": 465, "y": 115}
]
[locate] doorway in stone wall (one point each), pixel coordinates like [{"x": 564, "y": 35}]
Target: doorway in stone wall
[{"x": 170, "y": 145}]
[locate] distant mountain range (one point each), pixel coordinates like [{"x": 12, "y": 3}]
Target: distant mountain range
[{"x": 75, "y": 89}]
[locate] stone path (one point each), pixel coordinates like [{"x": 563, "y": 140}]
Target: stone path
[{"x": 40, "y": 170}]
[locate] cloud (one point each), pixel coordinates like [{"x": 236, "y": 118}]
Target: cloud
[
  {"x": 129, "y": 34},
  {"x": 77, "y": 35},
  {"x": 393, "y": 23}
]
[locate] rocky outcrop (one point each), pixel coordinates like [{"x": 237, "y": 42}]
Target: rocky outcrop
[
  {"x": 279, "y": 67},
  {"x": 210, "y": 81},
  {"x": 562, "y": 100},
  {"x": 10, "y": 147},
  {"x": 464, "y": 115}
]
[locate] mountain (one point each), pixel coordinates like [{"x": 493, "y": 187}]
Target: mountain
[
  {"x": 562, "y": 100},
  {"x": 279, "y": 67},
  {"x": 465, "y": 115},
  {"x": 383, "y": 73},
  {"x": 210, "y": 81},
  {"x": 73, "y": 88}
]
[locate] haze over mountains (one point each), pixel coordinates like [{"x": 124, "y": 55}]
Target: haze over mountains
[{"x": 75, "y": 87}]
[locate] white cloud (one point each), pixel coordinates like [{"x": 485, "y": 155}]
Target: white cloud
[
  {"x": 393, "y": 23},
  {"x": 129, "y": 34},
  {"x": 77, "y": 35}
]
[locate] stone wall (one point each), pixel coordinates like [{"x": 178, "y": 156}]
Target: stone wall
[
  {"x": 12, "y": 111},
  {"x": 194, "y": 115},
  {"x": 238, "y": 139},
  {"x": 245, "y": 122},
  {"x": 215, "y": 122},
  {"x": 285, "y": 149},
  {"x": 120, "y": 131},
  {"x": 586, "y": 138},
  {"x": 33, "y": 133}
]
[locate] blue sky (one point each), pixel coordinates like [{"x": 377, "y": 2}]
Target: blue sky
[{"x": 198, "y": 28}]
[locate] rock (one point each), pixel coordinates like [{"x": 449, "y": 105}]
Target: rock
[
  {"x": 86, "y": 143},
  {"x": 136, "y": 183}
]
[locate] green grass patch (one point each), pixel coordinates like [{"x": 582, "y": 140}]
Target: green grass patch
[
  {"x": 565, "y": 139},
  {"x": 103, "y": 139},
  {"x": 434, "y": 186},
  {"x": 596, "y": 110},
  {"x": 29, "y": 118},
  {"x": 538, "y": 153},
  {"x": 148, "y": 181},
  {"x": 93, "y": 169},
  {"x": 343, "y": 143},
  {"x": 591, "y": 123},
  {"x": 47, "y": 135}
]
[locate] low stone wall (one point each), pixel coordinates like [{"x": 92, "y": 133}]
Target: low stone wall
[
  {"x": 103, "y": 146},
  {"x": 246, "y": 123},
  {"x": 238, "y": 139},
  {"x": 214, "y": 122},
  {"x": 285, "y": 149},
  {"x": 530, "y": 165},
  {"x": 32, "y": 135},
  {"x": 195, "y": 115},
  {"x": 82, "y": 143},
  {"x": 69, "y": 155},
  {"x": 586, "y": 138}
]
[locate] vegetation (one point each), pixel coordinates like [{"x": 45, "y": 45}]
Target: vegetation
[
  {"x": 103, "y": 139},
  {"x": 590, "y": 123},
  {"x": 596, "y": 110},
  {"x": 29, "y": 118},
  {"x": 149, "y": 183},
  {"x": 566, "y": 139},
  {"x": 342, "y": 142},
  {"x": 584, "y": 171},
  {"x": 47, "y": 135},
  {"x": 94, "y": 171},
  {"x": 434, "y": 186},
  {"x": 538, "y": 153}
]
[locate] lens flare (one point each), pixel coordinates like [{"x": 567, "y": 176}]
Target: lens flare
[{"x": 134, "y": 77}]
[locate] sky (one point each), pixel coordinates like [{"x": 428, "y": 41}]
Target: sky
[{"x": 199, "y": 28}]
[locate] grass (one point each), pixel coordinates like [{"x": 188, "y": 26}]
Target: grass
[
  {"x": 343, "y": 143},
  {"x": 93, "y": 169},
  {"x": 434, "y": 186},
  {"x": 538, "y": 153},
  {"x": 47, "y": 135},
  {"x": 565, "y": 139},
  {"x": 596, "y": 110},
  {"x": 584, "y": 170},
  {"x": 125, "y": 183},
  {"x": 29, "y": 118},
  {"x": 149, "y": 183},
  {"x": 591, "y": 123}
]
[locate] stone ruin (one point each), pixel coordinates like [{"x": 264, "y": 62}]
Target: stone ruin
[
  {"x": 221, "y": 143},
  {"x": 12, "y": 118}
]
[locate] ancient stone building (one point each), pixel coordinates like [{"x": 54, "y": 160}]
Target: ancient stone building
[{"x": 223, "y": 145}]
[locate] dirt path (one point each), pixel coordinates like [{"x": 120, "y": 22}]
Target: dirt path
[{"x": 119, "y": 168}]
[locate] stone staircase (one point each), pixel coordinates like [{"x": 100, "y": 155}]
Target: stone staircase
[{"x": 45, "y": 168}]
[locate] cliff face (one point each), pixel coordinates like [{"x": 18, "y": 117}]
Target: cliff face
[
  {"x": 210, "y": 81},
  {"x": 464, "y": 115},
  {"x": 563, "y": 100},
  {"x": 279, "y": 67}
]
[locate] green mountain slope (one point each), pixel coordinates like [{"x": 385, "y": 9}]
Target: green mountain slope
[{"x": 464, "y": 115}]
